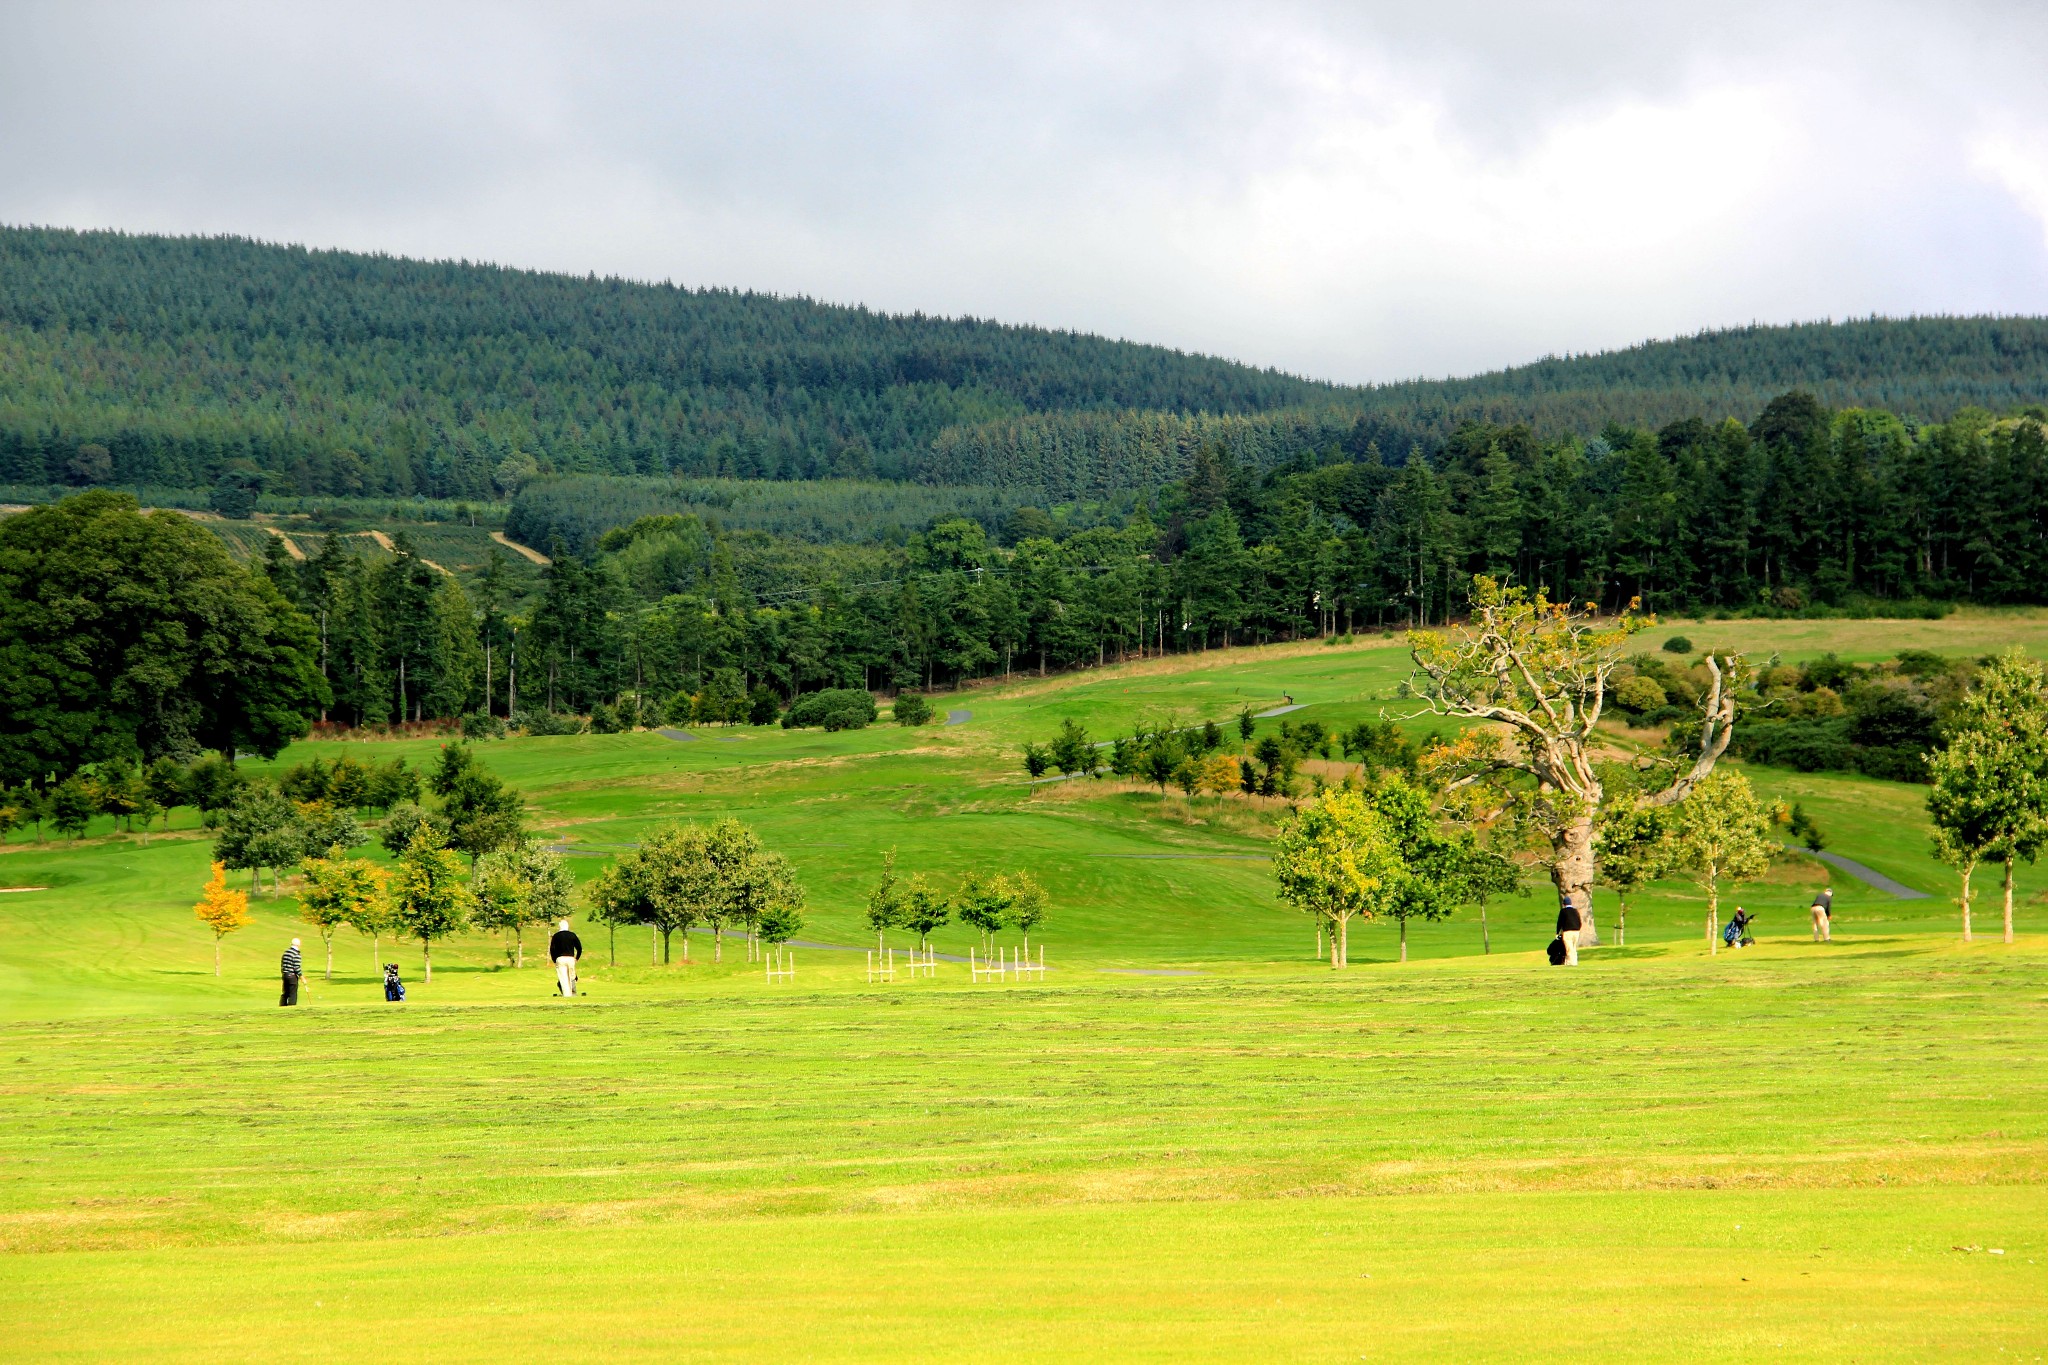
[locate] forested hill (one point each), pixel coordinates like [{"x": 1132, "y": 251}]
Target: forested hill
[
  {"x": 181, "y": 362},
  {"x": 181, "y": 354}
]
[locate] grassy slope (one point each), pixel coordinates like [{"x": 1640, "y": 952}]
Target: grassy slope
[{"x": 933, "y": 1169}]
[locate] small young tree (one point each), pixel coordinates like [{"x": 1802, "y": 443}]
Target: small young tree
[
  {"x": 735, "y": 853},
  {"x": 1187, "y": 775},
  {"x": 340, "y": 891},
  {"x": 407, "y": 821},
  {"x": 1484, "y": 873},
  {"x": 1072, "y": 752},
  {"x": 682, "y": 882},
  {"x": 168, "y": 786},
  {"x": 1162, "y": 759},
  {"x": 428, "y": 899},
  {"x": 1635, "y": 849},
  {"x": 766, "y": 885},
  {"x": 500, "y": 898},
  {"x": 1036, "y": 760},
  {"x": 984, "y": 904},
  {"x": 1989, "y": 800},
  {"x": 261, "y": 829},
  {"x": 221, "y": 910},
  {"x": 1337, "y": 859},
  {"x": 1247, "y": 723},
  {"x": 925, "y": 908},
  {"x": 1433, "y": 864},
  {"x": 619, "y": 895},
  {"x": 1027, "y": 904},
  {"x": 73, "y": 803},
  {"x": 886, "y": 903},
  {"x": 780, "y": 923},
  {"x": 1722, "y": 834}
]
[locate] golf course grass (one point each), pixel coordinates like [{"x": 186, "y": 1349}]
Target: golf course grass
[{"x": 1795, "y": 1151}]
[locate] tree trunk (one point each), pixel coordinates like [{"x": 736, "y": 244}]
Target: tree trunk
[
  {"x": 427, "y": 954},
  {"x": 328, "y": 937},
  {"x": 654, "y": 947},
  {"x": 1968, "y": 870},
  {"x": 1571, "y": 871},
  {"x": 1713, "y": 918},
  {"x": 1319, "y": 938},
  {"x": 1343, "y": 943},
  {"x": 1621, "y": 924},
  {"x": 518, "y": 945},
  {"x": 1485, "y": 934},
  {"x": 717, "y": 942},
  {"x": 216, "y": 954},
  {"x": 2008, "y": 899},
  {"x": 1404, "y": 938},
  {"x": 376, "y": 952}
]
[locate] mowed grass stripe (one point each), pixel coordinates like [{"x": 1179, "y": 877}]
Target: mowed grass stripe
[
  {"x": 1639, "y": 1275},
  {"x": 1871, "y": 1064}
]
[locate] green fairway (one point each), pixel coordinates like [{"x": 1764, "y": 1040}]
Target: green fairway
[{"x": 1796, "y": 1151}]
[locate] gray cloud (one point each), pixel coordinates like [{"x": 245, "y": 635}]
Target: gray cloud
[{"x": 1357, "y": 192}]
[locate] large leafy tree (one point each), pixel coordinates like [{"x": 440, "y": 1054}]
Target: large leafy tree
[
  {"x": 1536, "y": 672},
  {"x": 128, "y": 633}
]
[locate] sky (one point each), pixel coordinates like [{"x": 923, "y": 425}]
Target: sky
[{"x": 1358, "y": 192}]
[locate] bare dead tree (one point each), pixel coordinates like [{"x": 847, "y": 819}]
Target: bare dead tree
[{"x": 1536, "y": 672}]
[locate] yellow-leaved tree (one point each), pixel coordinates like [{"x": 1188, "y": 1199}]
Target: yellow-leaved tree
[
  {"x": 340, "y": 891},
  {"x": 1339, "y": 860},
  {"x": 221, "y": 910}
]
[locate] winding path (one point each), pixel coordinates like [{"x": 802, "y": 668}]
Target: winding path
[
  {"x": 1869, "y": 875},
  {"x": 959, "y": 717}
]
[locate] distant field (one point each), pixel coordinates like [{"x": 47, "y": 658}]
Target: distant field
[{"x": 1794, "y": 1152}]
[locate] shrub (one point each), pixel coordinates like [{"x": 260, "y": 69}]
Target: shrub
[
  {"x": 763, "y": 706},
  {"x": 1806, "y": 745},
  {"x": 1678, "y": 644},
  {"x": 547, "y": 723},
  {"x": 913, "y": 708},
  {"x": 478, "y": 725},
  {"x": 847, "y": 716},
  {"x": 845, "y": 703},
  {"x": 1639, "y": 694},
  {"x": 604, "y": 720}
]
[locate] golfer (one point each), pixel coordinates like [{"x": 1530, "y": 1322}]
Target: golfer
[
  {"x": 291, "y": 966},
  {"x": 565, "y": 948},
  {"x": 1568, "y": 925},
  {"x": 1824, "y": 916}
]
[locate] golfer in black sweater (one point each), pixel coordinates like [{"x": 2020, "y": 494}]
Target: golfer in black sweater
[
  {"x": 565, "y": 948},
  {"x": 1568, "y": 925}
]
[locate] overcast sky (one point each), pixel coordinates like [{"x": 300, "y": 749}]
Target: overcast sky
[{"x": 1355, "y": 192}]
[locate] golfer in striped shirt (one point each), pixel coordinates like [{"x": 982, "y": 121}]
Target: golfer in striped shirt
[{"x": 292, "y": 965}]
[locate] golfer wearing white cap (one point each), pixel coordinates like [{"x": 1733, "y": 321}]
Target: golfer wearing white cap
[{"x": 565, "y": 948}]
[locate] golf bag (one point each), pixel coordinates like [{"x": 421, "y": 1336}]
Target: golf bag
[
  {"x": 1556, "y": 951},
  {"x": 394, "y": 989}
]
